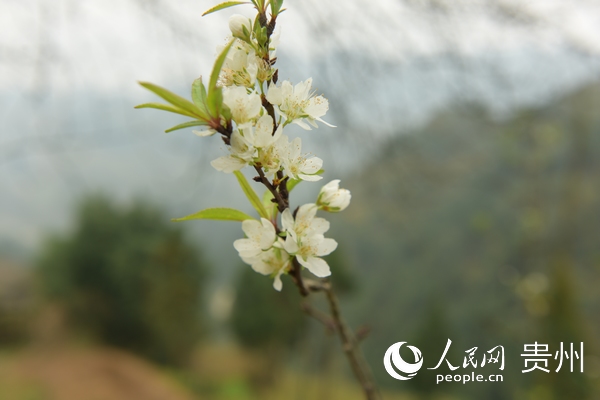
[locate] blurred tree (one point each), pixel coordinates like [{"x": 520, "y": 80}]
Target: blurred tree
[
  {"x": 271, "y": 322},
  {"x": 128, "y": 278},
  {"x": 263, "y": 316},
  {"x": 16, "y": 305},
  {"x": 563, "y": 324},
  {"x": 431, "y": 339}
]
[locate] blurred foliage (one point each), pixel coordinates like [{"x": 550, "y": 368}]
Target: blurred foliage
[
  {"x": 478, "y": 212},
  {"x": 261, "y": 316},
  {"x": 431, "y": 339},
  {"x": 16, "y": 305},
  {"x": 128, "y": 277}
]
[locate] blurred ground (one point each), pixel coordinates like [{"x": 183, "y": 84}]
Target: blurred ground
[
  {"x": 100, "y": 373},
  {"x": 84, "y": 374}
]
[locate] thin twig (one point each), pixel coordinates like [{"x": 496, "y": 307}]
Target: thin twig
[
  {"x": 318, "y": 315},
  {"x": 351, "y": 348},
  {"x": 296, "y": 274}
]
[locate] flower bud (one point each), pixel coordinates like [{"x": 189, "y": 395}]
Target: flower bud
[
  {"x": 332, "y": 198},
  {"x": 237, "y": 23}
]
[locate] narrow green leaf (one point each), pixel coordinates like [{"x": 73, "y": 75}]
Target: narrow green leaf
[
  {"x": 215, "y": 101},
  {"x": 276, "y": 6},
  {"x": 224, "y": 5},
  {"x": 219, "y": 213},
  {"x": 199, "y": 94},
  {"x": 251, "y": 194},
  {"x": 167, "y": 107},
  {"x": 214, "y": 75},
  {"x": 175, "y": 99},
  {"x": 188, "y": 124}
]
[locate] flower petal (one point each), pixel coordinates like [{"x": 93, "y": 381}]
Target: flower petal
[
  {"x": 228, "y": 164},
  {"x": 302, "y": 124},
  {"x": 290, "y": 245},
  {"x": 274, "y": 95},
  {"x": 310, "y": 178},
  {"x": 277, "y": 284},
  {"x": 317, "y": 266},
  {"x": 325, "y": 247},
  {"x": 204, "y": 133},
  {"x": 287, "y": 220},
  {"x": 319, "y": 225}
]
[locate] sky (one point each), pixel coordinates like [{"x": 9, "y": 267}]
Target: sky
[{"x": 68, "y": 72}]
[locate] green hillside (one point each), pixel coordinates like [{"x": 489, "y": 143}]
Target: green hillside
[{"x": 483, "y": 220}]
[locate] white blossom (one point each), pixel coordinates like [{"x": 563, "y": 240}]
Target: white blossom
[
  {"x": 305, "y": 239},
  {"x": 298, "y": 166},
  {"x": 274, "y": 42},
  {"x": 273, "y": 262},
  {"x": 262, "y": 250},
  {"x": 263, "y": 133},
  {"x": 298, "y": 104},
  {"x": 244, "y": 106},
  {"x": 240, "y": 66},
  {"x": 260, "y": 236},
  {"x": 241, "y": 154},
  {"x": 250, "y": 144},
  {"x": 271, "y": 147},
  {"x": 333, "y": 199}
]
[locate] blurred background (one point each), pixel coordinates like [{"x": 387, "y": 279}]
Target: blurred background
[{"x": 468, "y": 132}]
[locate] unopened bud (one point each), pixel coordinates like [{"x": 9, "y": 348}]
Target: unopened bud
[
  {"x": 237, "y": 23},
  {"x": 332, "y": 198}
]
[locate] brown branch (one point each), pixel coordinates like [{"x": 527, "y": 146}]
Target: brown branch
[
  {"x": 282, "y": 186},
  {"x": 362, "y": 333},
  {"x": 319, "y": 316},
  {"x": 350, "y": 341},
  {"x": 270, "y": 110},
  {"x": 351, "y": 348},
  {"x": 282, "y": 204},
  {"x": 296, "y": 274}
]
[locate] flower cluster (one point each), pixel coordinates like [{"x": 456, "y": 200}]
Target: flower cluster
[
  {"x": 257, "y": 139},
  {"x": 249, "y": 108},
  {"x": 301, "y": 239}
]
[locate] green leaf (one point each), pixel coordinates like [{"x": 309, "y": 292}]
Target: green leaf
[
  {"x": 291, "y": 184},
  {"x": 167, "y": 107},
  {"x": 276, "y": 6},
  {"x": 199, "y": 94},
  {"x": 214, "y": 75},
  {"x": 268, "y": 204},
  {"x": 251, "y": 194},
  {"x": 215, "y": 101},
  {"x": 188, "y": 124},
  {"x": 224, "y": 5},
  {"x": 219, "y": 213},
  {"x": 175, "y": 99}
]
